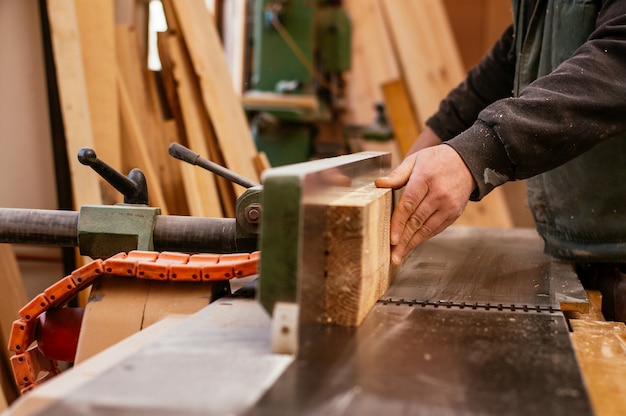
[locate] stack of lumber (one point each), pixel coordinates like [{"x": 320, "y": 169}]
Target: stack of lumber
[
  {"x": 130, "y": 115},
  {"x": 405, "y": 55}
]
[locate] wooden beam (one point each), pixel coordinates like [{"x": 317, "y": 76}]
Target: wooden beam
[
  {"x": 356, "y": 250},
  {"x": 73, "y": 96},
  {"x": 221, "y": 102}
]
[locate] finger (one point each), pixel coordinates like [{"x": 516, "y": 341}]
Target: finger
[
  {"x": 434, "y": 225},
  {"x": 426, "y": 207},
  {"x": 398, "y": 177},
  {"x": 405, "y": 219}
]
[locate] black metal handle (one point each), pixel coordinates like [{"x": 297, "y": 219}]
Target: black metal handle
[
  {"x": 134, "y": 187},
  {"x": 187, "y": 155}
]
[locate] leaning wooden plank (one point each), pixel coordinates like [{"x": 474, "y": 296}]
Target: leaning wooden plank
[
  {"x": 13, "y": 299},
  {"x": 356, "y": 250},
  {"x": 96, "y": 23},
  {"x": 234, "y": 16},
  {"x": 201, "y": 190},
  {"x": 73, "y": 96},
  {"x": 221, "y": 102},
  {"x": 129, "y": 118},
  {"x": 401, "y": 115},
  {"x": 134, "y": 103},
  {"x": 430, "y": 62},
  {"x": 373, "y": 61}
]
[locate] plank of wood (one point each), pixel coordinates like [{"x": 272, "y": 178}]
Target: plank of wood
[
  {"x": 201, "y": 190},
  {"x": 401, "y": 115},
  {"x": 13, "y": 299},
  {"x": 221, "y": 102},
  {"x": 134, "y": 108},
  {"x": 234, "y": 17},
  {"x": 96, "y": 24},
  {"x": 373, "y": 60},
  {"x": 356, "y": 251},
  {"x": 430, "y": 62},
  {"x": 74, "y": 100},
  {"x": 600, "y": 348}
]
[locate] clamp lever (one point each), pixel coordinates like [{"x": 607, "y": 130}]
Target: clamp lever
[
  {"x": 134, "y": 187},
  {"x": 186, "y": 155}
]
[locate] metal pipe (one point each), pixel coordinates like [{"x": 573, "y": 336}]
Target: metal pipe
[
  {"x": 39, "y": 226},
  {"x": 174, "y": 233},
  {"x": 195, "y": 234}
]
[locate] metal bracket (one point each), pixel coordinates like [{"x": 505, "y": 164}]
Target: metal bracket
[{"x": 107, "y": 230}]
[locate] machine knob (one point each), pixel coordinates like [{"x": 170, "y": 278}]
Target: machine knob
[{"x": 134, "y": 187}]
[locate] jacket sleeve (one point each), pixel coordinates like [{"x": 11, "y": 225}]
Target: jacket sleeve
[
  {"x": 490, "y": 80},
  {"x": 557, "y": 117}
]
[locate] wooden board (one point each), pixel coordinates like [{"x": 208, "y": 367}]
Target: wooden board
[
  {"x": 429, "y": 58},
  {"x": 357, "y": 254},
  {"x": 139, "y": 129},
  {"x": 221, "y": 102},
  {"x": 74, "y": 99},
  {"x": 96, "y": 24},
  {"x": 601, "y": 352},
  {"x": 234, "y": 17},
  {"x": 13, "y": 299},
  {"x": 202, "y": 194},
  {"x": 401, "y": 115},
  {"x": 373, "y": 59}
]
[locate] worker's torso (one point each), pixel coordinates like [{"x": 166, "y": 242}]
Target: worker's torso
[{"x": 579, "y": 207}]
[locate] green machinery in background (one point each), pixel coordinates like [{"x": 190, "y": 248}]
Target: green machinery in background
[{"x": 298, "y": 51}]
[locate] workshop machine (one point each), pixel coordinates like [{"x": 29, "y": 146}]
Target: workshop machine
[
  {"x": 472, "y": 324},
  {"x": 298, "y": 52}
]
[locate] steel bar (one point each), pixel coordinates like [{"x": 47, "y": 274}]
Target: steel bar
[{"x": 174, "y": 233}]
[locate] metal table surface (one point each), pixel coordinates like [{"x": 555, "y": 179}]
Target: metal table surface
[
  {"x": 446, "y": 356},
  {"x": 470, "y": 326},
  {"x": 407, "y": 360}
]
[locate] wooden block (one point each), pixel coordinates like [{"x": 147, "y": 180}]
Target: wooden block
[
  {"x": 357, "y": 253},
  {"x": 221, "y": 102},
  {"x": 401, "y": 114},
  {"x": 74, "y": 99}
]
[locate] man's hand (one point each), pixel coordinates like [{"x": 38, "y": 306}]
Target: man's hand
[{"x": 438, "y": 186}]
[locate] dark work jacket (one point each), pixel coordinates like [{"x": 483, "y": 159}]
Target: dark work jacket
[{"x": 548, "y": 103}]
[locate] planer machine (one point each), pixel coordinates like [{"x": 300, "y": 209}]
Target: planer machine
[{"x": 473, "y": 323}]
